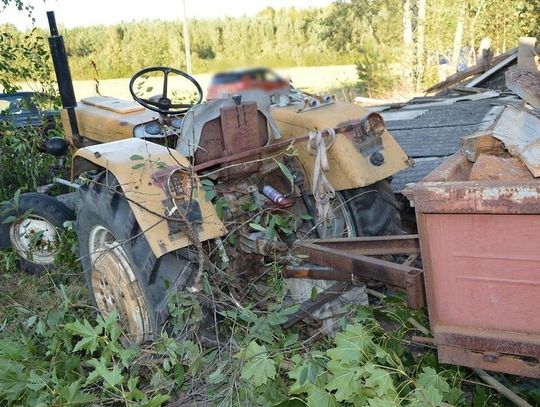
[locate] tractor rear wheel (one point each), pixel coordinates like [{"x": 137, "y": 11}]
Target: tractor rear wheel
[
  {"x": 366, "y": 211},
  {"x": 33, "y": 228},
  {"x": 374, "y": 209},
  {"x": 122, "y": 273}
]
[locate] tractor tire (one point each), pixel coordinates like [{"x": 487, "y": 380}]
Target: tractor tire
[
  {"x": 373, "y": 209},
  {"x": 121, "y": 271},
  {"x": 46, "y": 215}
]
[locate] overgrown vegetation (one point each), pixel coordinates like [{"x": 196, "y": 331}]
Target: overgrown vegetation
[{"x": 55, "y": 350}]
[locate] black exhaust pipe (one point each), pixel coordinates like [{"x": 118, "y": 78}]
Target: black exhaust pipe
[{"x": 63, "y": 77}]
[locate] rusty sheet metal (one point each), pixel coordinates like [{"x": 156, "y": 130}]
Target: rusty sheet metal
[
  {"x": 488, "y": 361},
  {"x": 373, "y": 245},
  {"x": 369, "y": 268},
  {"x": 510, "y": 343},
  {"x": 480, "y": 254},
  {"x": 446, "y": 190}
]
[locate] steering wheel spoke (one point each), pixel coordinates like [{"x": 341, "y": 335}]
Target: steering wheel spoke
[{"x": 164, "y": 104}]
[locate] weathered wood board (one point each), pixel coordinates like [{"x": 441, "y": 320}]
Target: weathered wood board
[{"x": 519, "y": 130}]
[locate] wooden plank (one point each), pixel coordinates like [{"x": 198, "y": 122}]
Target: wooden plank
[
  {"x": 473, "y": 70},
  {"x": 113, "y": 104},
  {"x": 519, "y": 130},
  {"x": 450, "y": 101},
  {"x": 480, "y": 143},
  {"x": 524, "y": 84},
  {"x": 465, "y": 89},
  {"x": 497, "y": 68}
]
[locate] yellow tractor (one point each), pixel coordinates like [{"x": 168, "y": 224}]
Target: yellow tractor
[{"x": 164, "y": 182}]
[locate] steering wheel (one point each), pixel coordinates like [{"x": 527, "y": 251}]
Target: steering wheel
[{"x": 164, "y": 104}]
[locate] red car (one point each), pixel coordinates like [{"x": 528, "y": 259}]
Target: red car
[{"x": 227, "y": 83}]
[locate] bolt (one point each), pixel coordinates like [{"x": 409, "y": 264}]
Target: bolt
[{"x": 377, "y": 159}]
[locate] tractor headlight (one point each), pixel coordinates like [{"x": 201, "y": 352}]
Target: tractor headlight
[{"x": 178, "y": 185}]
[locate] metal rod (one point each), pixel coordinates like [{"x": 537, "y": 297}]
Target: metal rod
[
  {"x": 186, "y": 40},
  {"x": 63, "y": 77},
  {"x": 66, "y": 183}
]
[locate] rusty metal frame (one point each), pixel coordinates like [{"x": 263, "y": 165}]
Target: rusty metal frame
[
  {"x": 350, "y": 257},
  {"x": 447, "y": 191}
]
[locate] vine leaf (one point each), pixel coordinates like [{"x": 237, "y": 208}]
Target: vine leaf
[
  {"x": 344, "y": 380},
  {"x": 380, "y": 380},
  {"x": 259, "y": 368},
  {"x": 430, "y": 377},
  {"x": 319, "y": 398},
  {"x": 111, "y": 378},
  {"x": 136, "y": 157},
  {"x": 137, "y": 166},
  {"x": 377, "y": 402},
  {"x": 89, "y": 335},
  {"x": 351, "y": 345},
  {"x": 427, "y": 397}
]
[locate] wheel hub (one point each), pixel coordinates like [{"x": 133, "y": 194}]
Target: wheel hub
[
  {"x": 115, "y": 286},
  {"x": 35, "y": 239}
]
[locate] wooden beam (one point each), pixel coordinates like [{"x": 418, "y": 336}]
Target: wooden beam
[
  {"x": 524, "y": 84},
  {"x": 480, "y": 143},
  {"x": 473, "y": 70},
  {"x": 500, "y": 66},
  {"x": 519, "y": 130}
]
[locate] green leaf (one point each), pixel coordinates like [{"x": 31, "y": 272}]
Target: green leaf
[
  {"x": 314, "y": 293},
  {"x": 207, "y": 182},
  {"x": 135, "y": 157},
  {"x": 351, "y": 345},
  {"x": 380, "y": 380},
  {"x": 256, "y": 226},
  {"x": 35, "y": 381},
  {"x": 344, "y": 380},
  {"x": 303, "y": 375},
  {"x": 319, "y": 398},
  {"x": 156, "y": 401},
  {"x": 179, "y": 374},
  {"x": 9, "y": 219},
  {"x": 430, "y": 377},
  {"x": 427, "y": 397},
  {"x": 73, "y": 395},
  {"x": 377, "y": 402},
  {"x": 137, "y": 166},
  {"x": 285, "y": 170},
  {"x": 89, "y": 335},
  {"x": 111, "y": 377},
  {"x": 259, "y": 368}
]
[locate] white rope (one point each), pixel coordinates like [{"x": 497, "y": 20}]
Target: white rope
[{"x": 323, "y": 191}]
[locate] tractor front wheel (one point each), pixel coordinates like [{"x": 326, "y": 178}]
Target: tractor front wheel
[{"x": 122, "y": 273}]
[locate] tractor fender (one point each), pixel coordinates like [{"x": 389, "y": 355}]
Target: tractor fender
[
  {"x": 350, "y": 166},
  {"x": 141, "y": 167}
]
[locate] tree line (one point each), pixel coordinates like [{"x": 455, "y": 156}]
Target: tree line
[{"x": 403, "y": 42}]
